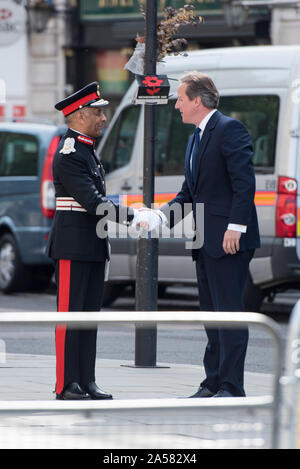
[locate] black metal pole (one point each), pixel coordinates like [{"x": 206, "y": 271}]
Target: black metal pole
[{"x": 147, "y": 252}]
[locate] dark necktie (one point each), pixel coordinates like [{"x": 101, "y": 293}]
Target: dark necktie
[{"x": 195, "y": 151}]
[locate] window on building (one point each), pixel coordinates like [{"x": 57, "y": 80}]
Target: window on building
[
  {"x": 118, "y": 147},
  {"x": 19, "y": 155}
]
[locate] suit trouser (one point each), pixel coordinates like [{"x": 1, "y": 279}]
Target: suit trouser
[
  {"x": 79, "y": 288},
  {"x": 221, "y": 285}
]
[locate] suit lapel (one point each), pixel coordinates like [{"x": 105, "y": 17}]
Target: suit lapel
[
  {"x": 204, "y": 142},
  {"x": 187, "y": 170}
]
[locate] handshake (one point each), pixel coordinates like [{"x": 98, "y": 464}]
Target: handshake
[{"x": 148, "y": 219}]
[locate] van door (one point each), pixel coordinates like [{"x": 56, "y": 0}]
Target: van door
[
  {"x": 171, "y": 140},
  {"x": 118, "y": 151},
  {"x": 121, "y": 155},
  {"x": 260, "y": 114}
]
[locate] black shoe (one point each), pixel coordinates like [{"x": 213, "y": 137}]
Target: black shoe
[
  {"x": 203, "y": 392},
  {"x": 223, "y": 393},
  {"x": 72, "y": 392},
  {"x": 96, "y": 393}
]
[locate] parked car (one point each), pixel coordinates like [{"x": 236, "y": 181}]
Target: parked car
[
  {"x": 27, "y": 203},
  {"x": 260, "y": 87}
]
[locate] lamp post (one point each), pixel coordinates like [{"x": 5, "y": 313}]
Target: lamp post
[{"x": 147, "y": 253}]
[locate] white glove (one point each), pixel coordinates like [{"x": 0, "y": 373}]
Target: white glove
[{"x": 149, "y": 219}]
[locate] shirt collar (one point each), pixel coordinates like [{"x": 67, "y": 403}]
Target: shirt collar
[{"x": 204, "y": 121}]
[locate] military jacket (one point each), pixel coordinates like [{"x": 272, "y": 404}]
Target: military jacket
[{"x": 80, "y": 192}]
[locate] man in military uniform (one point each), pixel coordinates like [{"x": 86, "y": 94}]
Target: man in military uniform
[{"x": 79, "y": 254}]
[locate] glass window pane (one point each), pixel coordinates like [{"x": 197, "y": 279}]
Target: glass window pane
[
  {"x": 171, "y": 140},
  {"x": 19, "y": 155},
  {"x": 260, "y": 116},
  {"x": 118, "y": 147},
  {"x": 258, "y": 113}
]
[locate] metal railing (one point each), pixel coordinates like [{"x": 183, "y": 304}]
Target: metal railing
[
  {"x": 290, "y": 418},
  {"x": 210, "y": 319}
]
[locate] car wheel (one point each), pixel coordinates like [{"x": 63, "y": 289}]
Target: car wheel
[
  {"x": 253, "y": 296},
  {"x": 12, "y": 271}
]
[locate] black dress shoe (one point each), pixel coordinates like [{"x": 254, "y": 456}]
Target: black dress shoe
[
  {"x": 223, "y": 393},
  {"x": 72, "y": 392},
  {"x": 203, "y": 392},
  {"x": 95, "y": 393}
]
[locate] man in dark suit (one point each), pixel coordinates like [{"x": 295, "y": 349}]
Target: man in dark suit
[
  {"x": 219, "y": 174},
  {"x": 79, "y": 252}
]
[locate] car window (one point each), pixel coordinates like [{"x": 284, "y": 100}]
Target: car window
[
  {"x": 118, "y": 147},
  {"x": 19, "y": 155},
  {"x": 260, "y": 116}
]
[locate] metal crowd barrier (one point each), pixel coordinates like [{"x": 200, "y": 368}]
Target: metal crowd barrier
[
  {"x": 271, "y": 402},
  {"x": 290, "y": 401}
]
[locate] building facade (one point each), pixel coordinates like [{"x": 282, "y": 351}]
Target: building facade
[{"x": 85, "y": 40}]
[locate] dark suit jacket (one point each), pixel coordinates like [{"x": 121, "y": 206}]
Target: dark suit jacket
[
  {"x": 224, "y": 183},
  {"x": 79, "y": 175}
]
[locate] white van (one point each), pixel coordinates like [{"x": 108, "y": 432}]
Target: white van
[{"x": 258, "y": 85}]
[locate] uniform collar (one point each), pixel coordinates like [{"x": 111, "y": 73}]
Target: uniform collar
[{"x": 82, "y": 138}]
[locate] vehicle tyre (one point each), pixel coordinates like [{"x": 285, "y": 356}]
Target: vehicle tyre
[
  {"x": 111, "y": 292},
  {"x": 13, "y": 276},
  {"x": 253, "y": 296}
]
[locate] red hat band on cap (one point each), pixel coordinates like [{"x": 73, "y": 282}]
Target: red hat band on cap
[{"x": 74, "y": 106}]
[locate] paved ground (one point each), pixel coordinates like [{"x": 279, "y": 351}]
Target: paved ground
[
  {"x": 147, "y": 411},
  {"x": 116, "y": 424}
]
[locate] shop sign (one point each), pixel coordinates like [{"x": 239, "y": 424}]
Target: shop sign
[
  {"x": 114, "y": 9},
  {"x": 110, "y": 71}
]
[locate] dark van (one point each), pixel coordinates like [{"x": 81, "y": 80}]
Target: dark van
[{"x": 27, "y": 203}]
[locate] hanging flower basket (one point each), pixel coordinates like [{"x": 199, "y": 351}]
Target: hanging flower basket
[{"x": 167, "y": 43}]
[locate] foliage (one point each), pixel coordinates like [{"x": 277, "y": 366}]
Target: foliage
[{"x": 168, "y": 27}]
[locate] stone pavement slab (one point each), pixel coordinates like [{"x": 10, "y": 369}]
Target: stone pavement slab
[{"x": 32, "y": 378}]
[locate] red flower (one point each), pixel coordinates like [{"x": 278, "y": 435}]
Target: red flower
[{"x": 152, "y": 81}]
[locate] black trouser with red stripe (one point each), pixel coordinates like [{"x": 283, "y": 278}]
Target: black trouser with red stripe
[{"x": 79, "y": 288}]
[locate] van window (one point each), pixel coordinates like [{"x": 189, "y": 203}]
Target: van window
[
  {"x": 117, "y": 149},
  {"x": 258, "y": 113},
  {"x": 19, "y": 155},
  {"x": 260, "y": 116},
  {"x": 171, "y": 139}
]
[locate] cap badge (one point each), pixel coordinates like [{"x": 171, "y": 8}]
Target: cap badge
[{"x": 68, "y": 146}]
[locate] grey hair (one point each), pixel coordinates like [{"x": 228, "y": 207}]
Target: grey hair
[
  {"x": 199, "y": 84},
  {"x": 71, "y": 118}
]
